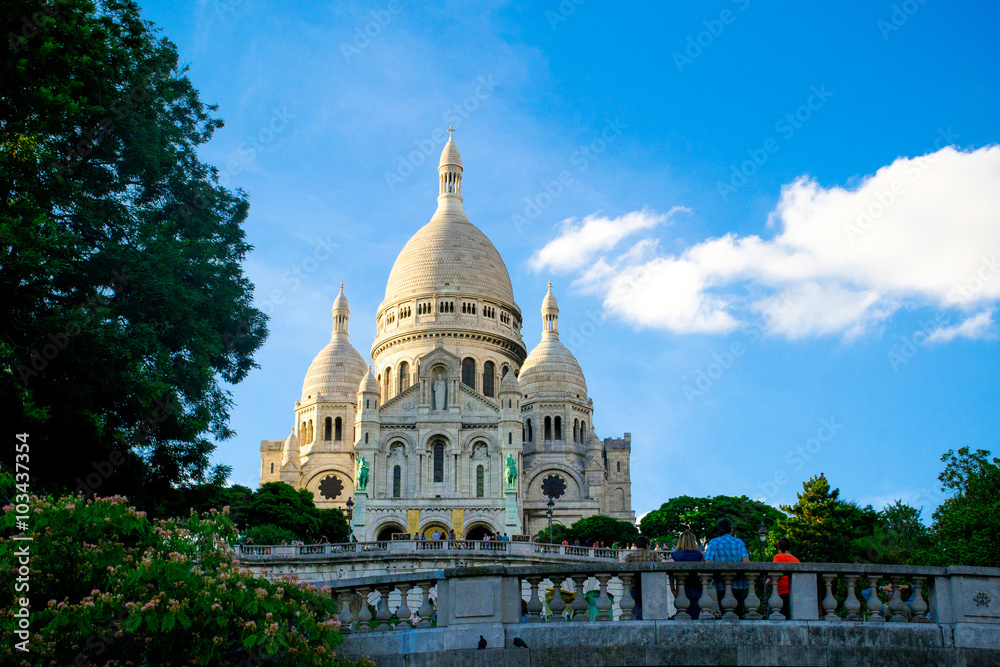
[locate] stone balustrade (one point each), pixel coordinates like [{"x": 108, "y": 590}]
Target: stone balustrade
[
  {"x": 349, "y": 550},
  {"x": 946, "y": 615}
]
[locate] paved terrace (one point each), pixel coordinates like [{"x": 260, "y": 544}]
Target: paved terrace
[{"x": 952, "y": 618}]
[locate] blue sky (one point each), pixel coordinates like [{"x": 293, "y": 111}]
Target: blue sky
[{"x": 772, "y": 230}]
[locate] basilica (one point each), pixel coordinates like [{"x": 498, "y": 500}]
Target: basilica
[{"x": 457, "y": 428}]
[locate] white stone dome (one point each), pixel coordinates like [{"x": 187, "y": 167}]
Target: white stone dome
[
  {"x": 338, "y": 368},
  {"x": 449, "y": 252},
  {"x": 369, "y": 385},
  {"x": 552, "y": 370}
]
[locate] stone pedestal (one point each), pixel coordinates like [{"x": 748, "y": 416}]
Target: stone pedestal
[
  {"x": 511, "y": 524},
  {"x": 360, "y": 512}
]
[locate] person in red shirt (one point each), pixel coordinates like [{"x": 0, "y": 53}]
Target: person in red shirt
[{"x": 784, "y": 556}]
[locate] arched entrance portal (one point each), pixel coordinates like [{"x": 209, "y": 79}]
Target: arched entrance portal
[
  {"x": 431, "y": 528},
  {"x": 386, "y": 531},
  {"x": 478, "y": 531}
]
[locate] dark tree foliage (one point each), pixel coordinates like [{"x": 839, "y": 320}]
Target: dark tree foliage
[
  {"x": 123, "y": 300},
  {"x": 206, "y": 497},
  {"x": 822, "y": 527},
  {"x": 559, "y": 533},
  {"x": 967, "y": 524},
  {"x": 604, "y": 528},
  {"x": 899, "y": 538},
  {"x": 278, "y": 504},
  {"x": 702, "y": 515}
]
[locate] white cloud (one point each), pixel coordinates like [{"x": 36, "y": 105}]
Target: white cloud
[
  {"x": 577, "y": 244},
  {"x": 920, "y": 231},
  {"x": 977, "y": 326}
]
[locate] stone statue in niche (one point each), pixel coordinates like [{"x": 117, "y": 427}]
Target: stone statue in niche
[{"x": 439, "y": 389}]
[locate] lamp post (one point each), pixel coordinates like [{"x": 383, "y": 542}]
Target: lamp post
[
  {"x": 350, "y": 515},
  {"x": 762, "y": 535},
  {"x": 551, "y": 505}
]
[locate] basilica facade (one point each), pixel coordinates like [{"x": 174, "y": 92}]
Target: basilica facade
[{"x": 457, "y": 427}]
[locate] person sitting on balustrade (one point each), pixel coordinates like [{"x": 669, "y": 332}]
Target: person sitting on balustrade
[
  {"x": 641, "y": 554},
  {"x": 727, "y": 548},
  {"x": 784, "y": 556},
  {"x": 687, "y": 552}
]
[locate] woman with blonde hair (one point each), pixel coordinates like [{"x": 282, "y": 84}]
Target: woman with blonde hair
[{"x": 688, "y": 552}]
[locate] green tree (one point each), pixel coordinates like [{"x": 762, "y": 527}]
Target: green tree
[
  {"x": 824, "y": 528},
  {"x": 110, "y": 586},
  {"x": 559, "y": 533},
  {"x": 603, "y": 528},
  {"x": 702, "y": 515},
  {"x": 967, "y": 524},
  {"x": 278, "y": 504},
  {"x": 899, "y": 538},
  {"x": 123, "y": 299}
]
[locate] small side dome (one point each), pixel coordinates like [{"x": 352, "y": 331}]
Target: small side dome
[
  {"x": 552, "y": 370},
  {"x": 369, "y": 385},
  {"x": 335, "y": 372},
  {"x": 510, "y": 384}
]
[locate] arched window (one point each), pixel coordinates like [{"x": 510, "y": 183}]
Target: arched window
[
  {"x": 583, "y": 431},
  {"x": 489, "y": 372},
  {"x": 619, "y": 466},
  {"x": 386, "y": 377},
  {"x": 303, "y": 433},
  {"x": 480, "y": 482},
  {"x": 469, "y": 372},
  {"x": 366, "y": 438},
  {"x": 397, "y": 481},
  {"x": 328, "y": 428},
  {"x": 576, "y": 430},
  {"x": 338, "y": 429},
  {"x": 558, "y": 428},
  {"x": 548, "y": 428},
  {"x": 510, "y": 438},
  {"x": 531, "y": 437},
  {"x": 272, "y": 467},
  {"x": 504, "y": 370},
  {"x": 438, "y": 461},
  {"x": 309, "y": 436},
  {"x": 404, "y": 376}
]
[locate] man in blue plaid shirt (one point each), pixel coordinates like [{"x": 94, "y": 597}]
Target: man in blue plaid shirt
[{"x": 727, "y": 548}]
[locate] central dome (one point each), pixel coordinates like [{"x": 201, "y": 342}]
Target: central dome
[{"x": 449, "y": 251}]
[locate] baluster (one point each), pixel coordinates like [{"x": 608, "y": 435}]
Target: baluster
[
  {"x": 535, "y": 605},
  {"x": 364, "y": 614},
  {"x": 852, "y": 604},
  {"x": 775, "y": 602},
  {"x": 557, "y": 605},
  {"x": 603, "y": 601},
  {"x": 729, "y": 600},
  {"x": 705, "y": 601},
  {"x": 681, "y": 599},
  {"x": 383, "y": 615},
  {"x": 874, "y": 603},
  {"x": 752, "y": 601},
  {"x": 345, "y": 616},
  {"x": 896, "y": 604},
  {"x": 426, "y": 608},
  {"x": 627, "y": 602},
  {"x": 579, "y": 602},
  {"x": 830, "y": 602},
  {"x": 917, "y": 604},
  {"x": 714, "y": 594},
  {"x": 403, "y": 612}
]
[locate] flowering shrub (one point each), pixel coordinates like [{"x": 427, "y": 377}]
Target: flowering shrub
[{"x": 110, "y": 587}]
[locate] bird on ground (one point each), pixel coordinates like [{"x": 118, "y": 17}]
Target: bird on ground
[
  {"x": 518, "y": 642},
  {"x": 482, "y": 642}
]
